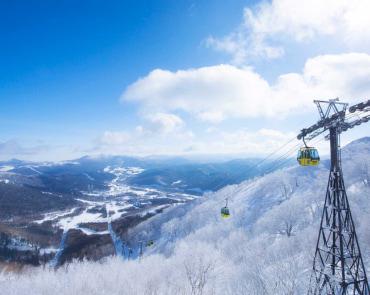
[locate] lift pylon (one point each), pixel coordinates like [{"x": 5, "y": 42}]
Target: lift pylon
[{"x": 338, "y": 266}]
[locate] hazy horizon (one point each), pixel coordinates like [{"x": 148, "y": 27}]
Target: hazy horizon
[{"x": 173, "y": 78}]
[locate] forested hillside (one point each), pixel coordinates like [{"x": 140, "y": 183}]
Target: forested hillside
[{"x": 266, "y": 247}]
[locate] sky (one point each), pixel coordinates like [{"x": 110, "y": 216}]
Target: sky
[{"x": 174, "y": 77}]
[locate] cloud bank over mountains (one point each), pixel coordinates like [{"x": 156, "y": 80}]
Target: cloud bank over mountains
[
  {"x": 219, "y": 92},
  {"x": 212, "y": 95}
]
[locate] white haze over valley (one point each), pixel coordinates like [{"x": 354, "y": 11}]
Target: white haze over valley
[{"x": 266, "y": 247}]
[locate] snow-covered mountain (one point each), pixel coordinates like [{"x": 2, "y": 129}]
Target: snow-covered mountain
[
  {"x": 266, "y": 247},
  {"x": 74, "y": 209}
]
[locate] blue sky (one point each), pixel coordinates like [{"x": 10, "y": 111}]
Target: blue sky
[{"x": 70, "y": 70}]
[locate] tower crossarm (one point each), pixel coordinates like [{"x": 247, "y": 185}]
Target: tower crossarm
[
  {"x": 322, "y": 125},
  {"x": 360, "y": 106},
  {"x": 335, "y": 116},
  {"x": 360, "y": 119}
]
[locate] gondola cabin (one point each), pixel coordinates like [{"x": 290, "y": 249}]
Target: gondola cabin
[
  {"x": 225, "y": 212},
  {"x": 149, "y": 243},
  {"x": 308, "y": 156}
]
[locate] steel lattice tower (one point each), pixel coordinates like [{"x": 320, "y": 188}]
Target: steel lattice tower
[{"x": 338, "y": 268}]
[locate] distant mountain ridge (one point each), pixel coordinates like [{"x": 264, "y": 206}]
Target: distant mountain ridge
[
  {"x": 40, "y": 203},
  {"x": 265, "y": 247},
  {"x": 165, "y": 172}
]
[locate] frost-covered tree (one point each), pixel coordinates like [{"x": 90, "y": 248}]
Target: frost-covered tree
[
  {"x": 283, "y": 219},
  {"x": 198, "y": 272},
  {"x": 265, "y": 248},
  {"x": 365, "y": 169}
]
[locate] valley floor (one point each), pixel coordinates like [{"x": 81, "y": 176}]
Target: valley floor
[{"x": 265, "y": 247}]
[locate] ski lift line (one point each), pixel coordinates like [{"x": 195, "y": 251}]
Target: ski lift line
[
  {"x": 287, "y": 158},
  {"x": 283, "y": 155},
  {"x": 277, "y": 163},
  {"x": 271, "y": 154},
  {"x": 355, "y": 114},
  {"x": 282, "y": 162},
  {"x": 279, "y": 157},
  {"x": 289, "y": 151},
  {"x": 282, "y": 159},
  {"x": 230, "y": 196},
  {"x": 277, "y": 150},
  {"x": 287, "y": 154},
  {"x": 274, "y": 152},
  {"x": 359, "y": 115}
]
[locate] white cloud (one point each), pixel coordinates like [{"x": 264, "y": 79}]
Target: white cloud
[
  {"x": 165, "y": 123},
  {"x": 217, "y": 141},
  {"x": 224, "y": 91},
  {"x": 242, "y": 142},
  {"x": 212, "y": 117},
  {"x": 155, "y": 125},
  {"x": 36, "y": 150},
  {"x": 114, "y": 138},
  {"x": 267, "y": 26},
  {"x": 161, "y": 133},
  {"x": 344, "y": 75},
  {"x": 209, "y": 92},
  {"x": 13, "y": 149},
  {"x": 249, "y": 142}
]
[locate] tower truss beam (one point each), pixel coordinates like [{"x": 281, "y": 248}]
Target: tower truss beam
[{"x": 338, "y": 267}]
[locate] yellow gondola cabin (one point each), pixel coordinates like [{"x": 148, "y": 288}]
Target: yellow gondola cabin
[
  {"x": 308, "y": 156},
  {"x": 225, "y": 212}
]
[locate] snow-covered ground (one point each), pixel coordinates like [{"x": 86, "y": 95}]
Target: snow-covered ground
[
  {"x": 108, "y": 206},
  {"x": 265, "y": 247},
  {"x": 51, "y": 216},
  {"x": 118, "y": 186},
  {"x": 118, "y": 199},
  {"x": 6, "y": 168}
]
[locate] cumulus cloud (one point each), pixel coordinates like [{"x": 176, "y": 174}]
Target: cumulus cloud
[
  {"x": 158, "y": 129},
  {"x": 165, "y": 123},
  {"x": 209, "y": 93},
  {"x": 268, "y": 25},
  {"x": 344, "y": 75},
  {"x": 161, "y": 133},
  {"x": 115, "y": 138},
  {"x": 224, "y": 91}
]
